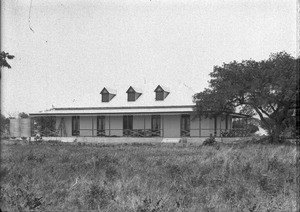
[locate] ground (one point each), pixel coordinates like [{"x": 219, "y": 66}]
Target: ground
[{"x": 148, "y": 177}]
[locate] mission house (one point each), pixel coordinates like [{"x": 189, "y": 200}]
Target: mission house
[{"x": 147, "y": 111}]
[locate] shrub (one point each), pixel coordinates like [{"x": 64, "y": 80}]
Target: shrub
[{"x": 210, "y": 141}]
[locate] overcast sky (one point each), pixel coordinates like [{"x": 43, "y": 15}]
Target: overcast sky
[{"x": 80, "y": 46}]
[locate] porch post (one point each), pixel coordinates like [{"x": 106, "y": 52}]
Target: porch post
[
  {"x": 31, "y": 128},
  {"x": 109, "y": 125},
  {"x": 215, "y": 117},
  {"x": 163, "y": 127},
  {"x": 92, "y": 126},
  {"x": 199, "y": 125},
  {"x": 220, "y": 124},
  {"x": 144, "y": 126},
  {"x": 226, "y": 122}
]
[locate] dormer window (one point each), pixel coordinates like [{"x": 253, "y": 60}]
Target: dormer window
[
  {"x": 107, "y": 94},
  {"x": 133, "y": 94},
  {"x": 161, "y": 93}
]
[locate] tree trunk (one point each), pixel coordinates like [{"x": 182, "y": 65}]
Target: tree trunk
[
  {"x": 275, "y": 137},
  {"x": 276, "y": 132}
]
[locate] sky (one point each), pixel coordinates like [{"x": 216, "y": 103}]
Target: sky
[{"x": 66, "y": 49}]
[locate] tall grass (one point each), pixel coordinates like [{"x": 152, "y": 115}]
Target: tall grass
[{"x": 152, "y": 178}]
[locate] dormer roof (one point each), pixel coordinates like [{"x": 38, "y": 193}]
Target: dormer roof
[
  {"x": 107, "y": 94},
  {"x": 162, "y": 88},
  {"x": 161, "y": 93},
  {"x": 133, "y": 94},
  {"x": 134, "y": 89},
  {"x": 108, "y": 90}
]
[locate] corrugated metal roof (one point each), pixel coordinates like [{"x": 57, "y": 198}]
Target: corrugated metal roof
[
  {"x": 180, "y": 94},
  {"x": 123, "y": 110},
  {"x": 179, "y": 100},
  {"x": 116, "y": 110}
]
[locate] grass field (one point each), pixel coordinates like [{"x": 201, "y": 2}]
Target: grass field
[{"x": 239, "y": 177}]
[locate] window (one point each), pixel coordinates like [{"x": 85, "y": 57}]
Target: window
[
  {"x": 107, "y": 94},
  {"x": 75, "y": 125},
  {"x": 100, "y": 125},
  {"x": 105, "y": 97},
  {"x": 127, "y": 125},
  {"x": 155, "y": 125},
  {"x": 185, "y": 126},
  {"x": 161, "y": 93},
  {"x": 131, "y": 96}
]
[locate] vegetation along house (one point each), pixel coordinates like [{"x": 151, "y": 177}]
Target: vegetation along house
[{"x": 149, "y": 111}]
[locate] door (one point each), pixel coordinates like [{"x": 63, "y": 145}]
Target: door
[
  {"x": 75, "y": 125},
  {"x": 185, "y": 126},
  {"x": 100, "y": 125},
  {"x": 155, "y": 125},
  {"x": 127, "y": 125}
]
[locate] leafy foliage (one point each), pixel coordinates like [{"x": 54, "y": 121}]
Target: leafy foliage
[
  {"x": 3, "y": 57},
  {"x": 267, "y": 88},
  {"x": 4, "y": 123},
  {"x": 23, "y": 115},
  {"x": 243, "y": 124},
  {"x": 44, "y": 124}
]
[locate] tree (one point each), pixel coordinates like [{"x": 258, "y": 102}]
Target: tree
[
  {"x": 23, "y": 115},
  {"x": 3, "y": 62},
  {"x": 242, "y": 124},
  {"x": 44, "y": 124},
  {"x": 4, "y": 123},
  {"x": 267, "y": 88}
]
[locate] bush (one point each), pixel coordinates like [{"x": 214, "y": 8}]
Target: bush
[{"x": 210, "y": 141}]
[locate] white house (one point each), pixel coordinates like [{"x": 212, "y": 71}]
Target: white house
[{"x": 148, "y": 110}]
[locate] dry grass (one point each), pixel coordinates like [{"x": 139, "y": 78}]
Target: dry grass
[{"x": 145, "y": 178}]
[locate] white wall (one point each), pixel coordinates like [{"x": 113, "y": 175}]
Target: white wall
[
  {"x": 194, "y": 126},
  {"x": 116, "y": 125},
  {"x": 171, "y": 126},
  {"x": 207, "y": 126},
  {"x": 86, "y": 126},
  {"x": 138, "y": 123}
]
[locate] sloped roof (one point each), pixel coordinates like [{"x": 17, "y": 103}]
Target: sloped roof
[
  {"x": 179, "y": 95},
  {"x": 179, "y": 100},
  {"x": 137, "y": 90},
  {"x": 109, "y": 90},
  {"x": 163, "y": 88},
  {"x": 116, "y": 111}
]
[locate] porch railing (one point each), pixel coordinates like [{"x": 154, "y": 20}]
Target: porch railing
[{"x": 147, "y": 133}]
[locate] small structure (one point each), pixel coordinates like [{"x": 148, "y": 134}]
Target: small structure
[{"x": 20, "y": 127}]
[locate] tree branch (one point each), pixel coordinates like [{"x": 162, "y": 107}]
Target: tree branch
[{"x": 263, "y": 111}]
